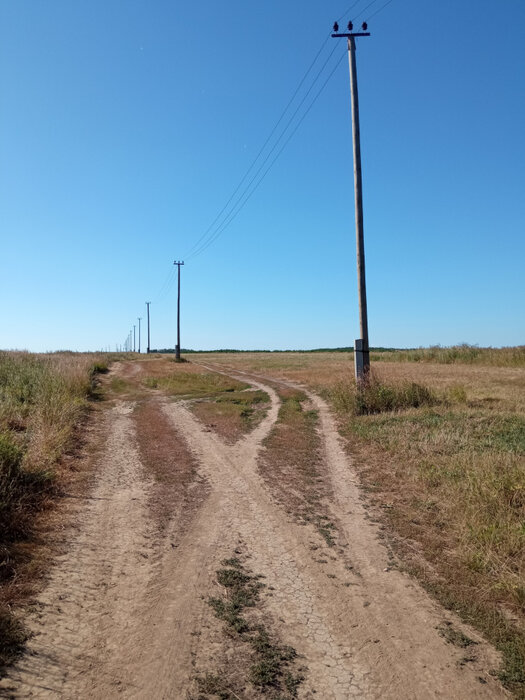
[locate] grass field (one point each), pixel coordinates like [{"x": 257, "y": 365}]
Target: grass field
[
  {"x": 43, "y": 399},
  {"x": 439, "y": 443}
]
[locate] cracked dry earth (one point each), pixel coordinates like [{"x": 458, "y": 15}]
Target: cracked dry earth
[{"x": 125, "y": 614}]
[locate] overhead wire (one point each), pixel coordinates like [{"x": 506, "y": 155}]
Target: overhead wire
[
  {"x": 379, "y": 10},
  {"x": 248, "y": 195},
  {"x": 261, "y": 150},
  {"x": 166, "y": 285},
  {"x": 346, "y": 12},
  {"x": 268, "y": 155},
  {"x": 364, "y": 9}
]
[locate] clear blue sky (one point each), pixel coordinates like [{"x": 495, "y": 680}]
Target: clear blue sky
[{"x": 125, "y": 127}]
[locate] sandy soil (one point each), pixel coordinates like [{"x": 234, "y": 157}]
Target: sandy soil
[{"x": 124, "y": 612}]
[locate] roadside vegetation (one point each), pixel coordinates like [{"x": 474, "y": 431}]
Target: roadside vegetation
[
  {"x": 449, "y": 473},
  {"x": 43, "y": 399}
]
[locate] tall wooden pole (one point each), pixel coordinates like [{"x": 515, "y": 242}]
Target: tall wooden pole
[
  {"x": 147, "y": 305},
  {"x": 361, "y": 347},
  {"x": 177, "y": 347},
  {"x": 362, "y": 350}
]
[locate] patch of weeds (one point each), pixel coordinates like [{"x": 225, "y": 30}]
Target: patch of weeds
[
  {"x": 271, "y": 669},
  {"x": 512, "y": 674},
  {"x": 234, "y": 562},
  {"x": 242, "y": 592},
  {"x": 455, "y": 636},
  {"x": 267, "y": 671},
  {"x": 233, "y": 413},
  {"x": 12, "y": 637},
  {"x": 118, "y": 385},
  {"x": 99, "y": 367},
  {"x": 325, "y": 528},
  {"x": 212, "y": 684},
  {"x": 195, "y": 384}
]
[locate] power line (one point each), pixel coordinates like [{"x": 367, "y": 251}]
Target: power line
[
  {"x": 272, "y": 132},
  {"x": 348, "y": 10},
  {"x": 261, "y": 150},
  {"x": 241, "y": 203},
  {"x": 364, "y": 9},
  {"x": 380, "y": 9},
  {"x": 266, "y": 159},
  {"x": 163, "y": 289}
]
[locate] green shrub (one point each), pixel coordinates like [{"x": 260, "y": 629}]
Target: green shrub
[{"x": 375, "y": 396}]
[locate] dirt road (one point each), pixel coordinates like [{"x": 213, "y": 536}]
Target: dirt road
[{"x": 126, "y": 611}]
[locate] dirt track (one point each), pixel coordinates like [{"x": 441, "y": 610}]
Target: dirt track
[{"x": 124, "y": 613}]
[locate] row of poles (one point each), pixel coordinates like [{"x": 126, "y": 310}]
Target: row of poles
[
  {"x": 361, "y": 345},
  {"x": 130, "y": 344}
]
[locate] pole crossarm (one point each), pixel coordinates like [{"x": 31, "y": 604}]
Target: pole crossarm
[{"x": 337, "y": 36}]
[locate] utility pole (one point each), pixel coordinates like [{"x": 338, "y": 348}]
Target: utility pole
[
  {"x": 134, "y": 344},
  {"x": 140, "y": 319},
  {"x": 177, "y": 347},
  {"x": 361, "y": 347},
  {"x": 147, "y": 305}
]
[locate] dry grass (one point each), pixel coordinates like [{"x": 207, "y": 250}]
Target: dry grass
[
  {"x": 193, "y": 384},
  {"x": 177, "y": 491},
  {"x": 457, "y": 354},
  {"x": 233, "y": 413},
  {"x": 292, "y": 464},
  {"x": 447, "y": 472},
  {"x": 42, "y": 401}
]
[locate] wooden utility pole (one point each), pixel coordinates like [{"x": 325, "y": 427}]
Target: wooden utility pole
[
  {"x": 139, "y": 320},
  {"x": 147, "y": 305},
  {"x": 361, "y": 346},
  {"x": 177, "y": 347}
]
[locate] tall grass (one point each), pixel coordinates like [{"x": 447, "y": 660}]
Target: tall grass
[
  {"x": 42, "y": 400},
  {"x": 457, "y": 354},
  {"x": 376, "y": 396}
]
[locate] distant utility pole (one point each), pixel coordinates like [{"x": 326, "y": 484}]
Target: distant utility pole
[
  {"x": 147, "y": 305},
  {"x": 134, "y": 344},
  {"x": 177, "y": 347},
  {"x": 361, "y": 347},
  {"x": 140, "y": 319}
]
